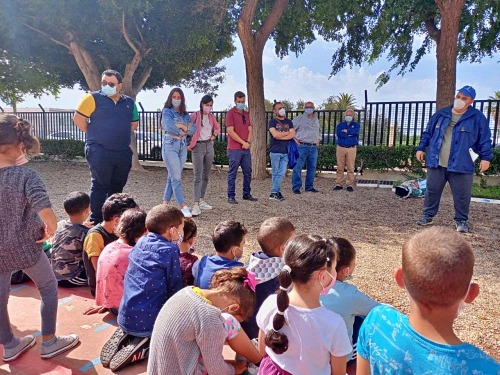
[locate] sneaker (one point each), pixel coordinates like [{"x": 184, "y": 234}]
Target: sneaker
[
  {"x": 274, "y": 197},
  {"x": 462, "y": 226},
  {"x": 296, "y": 191},
  {"x": 231, "y": 200},
  {"x": 136, "y": 349},
  {"x": 338, "y": 187},
  {"x": 112, "y": 346},
  {"x": 350, "y": 189},
  {"x": 248, "y": 197},
  {"x": 195, "y": 211},
  {"x": 280, "y": 196},
  {"x": 62, "y": 344},
  {"x": 186, "y": 212},
  {"x": 24, "y": 344},
  {"x": 425, "y": 220},
  {"x": 313, "y": 190},
  {"x": 205, "y": 206}
]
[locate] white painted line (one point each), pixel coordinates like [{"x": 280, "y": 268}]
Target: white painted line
[{"x": 485, "y": 200}]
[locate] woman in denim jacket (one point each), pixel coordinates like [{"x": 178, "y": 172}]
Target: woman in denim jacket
[{"x": 177, "y": 125}]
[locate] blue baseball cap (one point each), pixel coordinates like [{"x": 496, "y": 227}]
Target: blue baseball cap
[{"x": 468, "y": 91}]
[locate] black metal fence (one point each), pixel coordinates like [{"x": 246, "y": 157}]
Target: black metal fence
[{"x": 382, "y": 123}]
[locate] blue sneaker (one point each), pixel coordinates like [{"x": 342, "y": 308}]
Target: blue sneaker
[
  {"x": 425, "y": 220},
  {"x": 462, "y": 226}
]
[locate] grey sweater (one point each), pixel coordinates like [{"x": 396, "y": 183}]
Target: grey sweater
[
  {"x": 187, "y": 327},
  {"x": 22, "y": 196}
]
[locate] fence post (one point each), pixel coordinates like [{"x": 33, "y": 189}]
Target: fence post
[
  {"x": 364, "y": 119},
  {"x": 44, "y": 117},
  {"x": 1, "y": 109}
]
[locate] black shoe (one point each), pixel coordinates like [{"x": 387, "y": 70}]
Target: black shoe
[
  {"x": 112, "y": 346},
  {"x": 338, "y": 187},
  {"x": 280, "y": 196},
  {"x": 136, "y": 350},
  {"x": 350, "y": 189},
  {"x": 248, "y": 197},
  {"x": 313, "y": 190},
  {"x": 231, "y": 200},
  {"x": 296, "y": 191}
]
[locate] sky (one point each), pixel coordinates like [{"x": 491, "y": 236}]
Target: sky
[{"x": 307, "y": 77}]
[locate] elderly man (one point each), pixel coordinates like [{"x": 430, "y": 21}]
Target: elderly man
[
  {"x": 449, "y": 135},
  {"x": 108, "y": 117},
  {"x": 307, "y": 136},
  {"x": 347, "y": 141}
]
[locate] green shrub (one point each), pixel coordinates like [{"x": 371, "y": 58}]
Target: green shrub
[
  {"x": 490, "y": 192},
  {"x": 65, "y": 149}
]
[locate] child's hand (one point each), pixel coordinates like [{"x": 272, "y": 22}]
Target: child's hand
[
  {"x": 95, "y": 310},
  {"x": 88, "y": 223},
  {"x": 239, "y": 367},
  {"x": 46, "y": 234}
]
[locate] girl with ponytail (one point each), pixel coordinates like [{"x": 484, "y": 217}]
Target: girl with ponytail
[{"x": 297, "y": 335}]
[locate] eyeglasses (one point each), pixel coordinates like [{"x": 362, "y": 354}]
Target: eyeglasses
[
  {"x": 110, "y": 84},
  {"x": 309, "y": 107},
  {"x": 244, "y": 119}
]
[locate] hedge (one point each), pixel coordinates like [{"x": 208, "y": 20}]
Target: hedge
[{"x": 65, "y": 149}]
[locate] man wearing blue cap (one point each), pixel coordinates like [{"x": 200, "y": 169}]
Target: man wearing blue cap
[{"x": 450, "y": 134}]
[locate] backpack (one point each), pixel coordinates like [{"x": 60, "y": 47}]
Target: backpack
[{"x": 412, "y": 188}]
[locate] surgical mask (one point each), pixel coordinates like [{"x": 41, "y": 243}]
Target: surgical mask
[
  {"x": 21, "y": 159},
  {"x": 180, "y": 238},
  {"x": 348, "y": 118},
  {"x": 308, "y": 111},
  {"x": 207, "y": 109},
  {"x": 236, "y": 258},
  {"x": 326, "y": 289},
  {"x": 240, "y": 106},
  {"x": 458, "y": 104},
  {"x": 108, "y": 91},
  {"x": 282, "y": 112},
  {"x": 176, "y": 102}
]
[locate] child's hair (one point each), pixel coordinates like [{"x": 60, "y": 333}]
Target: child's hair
[
  {"x": 304, "y": 254},
  {"x": 345, "y": 252},
  {"x": 162, "y": 217},
  {"x": 13, "y": 131},
  {"x": 274, "y": 232},
  {"x": 76, "y": 202},
  {"x": 116, "y": 205},
  {"x": 437, "y": 267},
  {"x": 231, "y": 282},
  {"x": 228, "y": 234},
  {"x": 132, "y": 225},
  {"x": 190, "y": 229}
]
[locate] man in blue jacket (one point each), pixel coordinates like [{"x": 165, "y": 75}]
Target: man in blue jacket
[
  {"x": 449, "y": 135},
  {"x": 347, "y": 142}
]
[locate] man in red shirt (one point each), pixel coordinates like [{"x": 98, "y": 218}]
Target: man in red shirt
[{"x": 239, "y": 130}]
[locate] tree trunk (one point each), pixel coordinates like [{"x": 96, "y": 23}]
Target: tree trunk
[{"x": 446, "y": 51}]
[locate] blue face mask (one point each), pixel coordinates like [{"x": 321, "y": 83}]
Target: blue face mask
[
  {"x": 308, "y": 111},
  {"x": 176, "y": 102},
  {"x": 108, "y": 91},
  {"x": 348, "y": 118},
  {"x": 240, "y": 106}
]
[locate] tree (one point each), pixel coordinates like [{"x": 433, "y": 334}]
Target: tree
[
  {"x": 344, "y": 101},
  {"x": 288, "y": 104},
  {"x": 268, "y": 105},
  {"x": 300, "y": 104}
]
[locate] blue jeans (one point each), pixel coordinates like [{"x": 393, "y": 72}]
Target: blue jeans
[
  {"x": 109, "y": 173},
  {"x": 307, "y": 154},
  {"x": 279, "y": 164},
  {"x": 174, "y": 153},
  {"x": 238, "y": 158}
]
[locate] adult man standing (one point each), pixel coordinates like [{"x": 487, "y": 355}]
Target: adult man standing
[
  {"x": 347, "y": 142},
  {"x": 307, "y": 136},
  {"x": 108, "y": 117},
  {"x": 449, "y": 135},
  {"x": 239, "y": 130},
  {"x": 282, "y": 131}
]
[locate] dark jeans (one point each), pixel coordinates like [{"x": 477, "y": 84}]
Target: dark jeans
[
  {"x": 109, "y": 173},
  {"x": 461, "y": 189},
  {"x": 239, "y": 158},
  {"x": 307, "y": 154}
]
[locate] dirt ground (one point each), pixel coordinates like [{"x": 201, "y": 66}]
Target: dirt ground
[{"x": 375, "y": 220}]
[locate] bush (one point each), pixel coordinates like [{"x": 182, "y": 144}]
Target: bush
[{"x": 65, "y": 149}]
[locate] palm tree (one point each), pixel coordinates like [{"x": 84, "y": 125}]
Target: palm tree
[
  {"x": 496, "y": 96},
  {"x": 344, "y": 101}
]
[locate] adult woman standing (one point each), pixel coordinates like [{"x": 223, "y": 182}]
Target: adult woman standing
[
  {"x": 177, "y": 126},
  {"x": 202, "y": 147}
]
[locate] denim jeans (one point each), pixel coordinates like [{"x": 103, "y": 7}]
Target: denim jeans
[
  {"x": 279, "y": 164},
  {"x": 109, "y": 173},
  {"x": 174, "y": 153},
  {"x": 237, "y": 158},
  {"x": 307, "y": 154},
  {"x": 203, "y": 157}
]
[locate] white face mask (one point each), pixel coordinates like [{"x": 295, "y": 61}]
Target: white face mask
[
  {"x": 458, "y": 104},
  {"x": 282, "y": 112}
]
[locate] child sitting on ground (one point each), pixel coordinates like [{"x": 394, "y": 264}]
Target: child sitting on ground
[
  {"x": 113, "y": 262},
  {"x": 436, "y": 272},
  {"x": 104, "y": 233},
  {"x": 187, "y": 258},
  {"x": 267, "y": 264},
  {"x": 67, "y": 245},
  {"x": 26, "y": 221},
  {"x": 191, "y": 327},
  {"x": 344, "y": 298},
  {"x": 153, "y": 276},
  {"x": 298, "y": 335},
  {"x": 228, "y": 239}
]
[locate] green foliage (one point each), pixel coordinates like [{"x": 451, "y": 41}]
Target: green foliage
[
  {"x": 495, "y": 163},
  {"x": 340, "y": 102},
  {"x": 65, "y": 149},
  {"x": 490, "y": 192}
]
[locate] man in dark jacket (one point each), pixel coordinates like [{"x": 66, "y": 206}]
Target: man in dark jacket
[{"x": 450, "y": 135}]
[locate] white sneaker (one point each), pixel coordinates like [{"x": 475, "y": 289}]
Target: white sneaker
[
  {"x": 62, "y": 344},
  {"x": 186, "y": 212},
  {"x": 195, "y": 211},
  {"x": 205, "y": 206}
]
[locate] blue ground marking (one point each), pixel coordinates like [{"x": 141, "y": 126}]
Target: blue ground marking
[
  {"x": 16, "y": 288},
  {"x": 37, "y": 333},
  {"x": 65, "y": 300},
  {"x": 105, "y": 325},
  {"x": 90, "y": 364}
]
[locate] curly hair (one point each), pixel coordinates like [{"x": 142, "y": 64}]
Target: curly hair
[
  {"x": 15, "y": 131},
  {"x": 132, "y": 225}
]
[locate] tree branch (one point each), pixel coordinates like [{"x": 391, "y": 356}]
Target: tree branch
[
  {"x": 432, "y": 30},
  {"x": 245, "y": 21},
  {"x": 127, "y": 37},
  {"x": 142, "y": 79},
  {"x": 47, "y": 35},
  {"x": 270, "y": 22}
]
